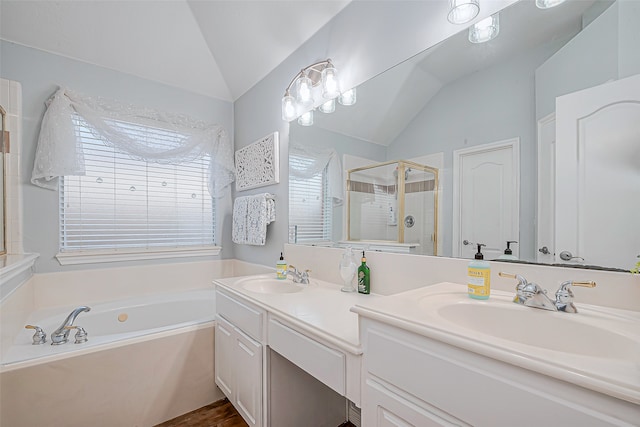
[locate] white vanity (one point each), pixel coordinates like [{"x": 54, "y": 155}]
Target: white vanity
[
  {"x": 426, "y": 357},
  {"x": 308, "y": 325},
  {"x": 434, "y": 357}
]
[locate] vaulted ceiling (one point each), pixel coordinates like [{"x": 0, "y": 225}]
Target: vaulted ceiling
[{"x": 215, "y": 48}]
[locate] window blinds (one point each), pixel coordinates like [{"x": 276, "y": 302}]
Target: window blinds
[
  {"x": 126, "y": 203},
  {"x": 309, "y": 204}
]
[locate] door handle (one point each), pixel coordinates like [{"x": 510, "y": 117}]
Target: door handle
[
  {"x": 466, "y": 242},
  {"x": 544, "y": 250},
  {"x": 568, "y": 256}
]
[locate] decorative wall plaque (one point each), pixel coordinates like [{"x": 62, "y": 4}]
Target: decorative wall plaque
[{"x": 257, "y": 164}]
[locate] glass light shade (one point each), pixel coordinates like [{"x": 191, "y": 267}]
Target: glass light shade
[
  {"x": 306, "y": 119},
  {"x": 547, "y": 4},
  {"x": 328, "y": 107},
  {"x": 330, "y": 87},
  {"x": 304, "y": 87},
  {"x": 485, "y": 30},
  {"x": 462, "y": 11},
  {"x": 348, "y": 97},
  {"x": 288, "y": 108}
]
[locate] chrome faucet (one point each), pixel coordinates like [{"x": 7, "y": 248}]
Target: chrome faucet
[
  {"x": 61, "y": 335},
  {"x": 564, "y": 295},
  {"x": 532, "y": 295},
  {"x": 522, "y": 282},
  {"x": 301, "y": 277},
  {"x": 536, "y": 297}
]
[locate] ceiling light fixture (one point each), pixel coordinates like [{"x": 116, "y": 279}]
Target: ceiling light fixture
[
  {"x": 463, "y": 11},
  {"x": 317, "y": 82},
  {"x": 485, "y": 30},
  {"x": 548, "y": 4}
]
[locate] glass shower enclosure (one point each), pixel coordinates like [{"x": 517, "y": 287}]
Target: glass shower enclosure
[{"x": 394, "y": 203}]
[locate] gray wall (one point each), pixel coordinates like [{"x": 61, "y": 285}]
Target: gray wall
[
  {"x": 364, "y": 39},
  {"x": 40, "y": 73}
]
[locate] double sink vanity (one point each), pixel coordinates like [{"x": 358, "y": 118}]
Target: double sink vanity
[{"x": 429, "y": 356}]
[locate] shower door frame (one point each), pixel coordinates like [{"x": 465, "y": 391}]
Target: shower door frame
[{"x": 402, "y": 164}]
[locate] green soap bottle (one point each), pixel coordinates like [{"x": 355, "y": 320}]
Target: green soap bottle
[{"x": 364, "y": 274}]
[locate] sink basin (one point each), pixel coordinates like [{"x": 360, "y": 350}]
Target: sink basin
[
  {"x": 270, "y": 286},
  {"x": 584, "y": 334}
]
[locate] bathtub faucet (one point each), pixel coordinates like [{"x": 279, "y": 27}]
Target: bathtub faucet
[{"x": 61, "y": 335}]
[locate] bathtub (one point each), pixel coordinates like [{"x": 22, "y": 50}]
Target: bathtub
[
  {"x": 153, "y": 366},
  {"x": 112, "y": 324}
]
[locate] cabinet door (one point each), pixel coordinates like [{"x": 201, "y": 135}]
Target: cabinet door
[
  {"x": 224, "y": 357},
  {"x": 384, "y": 408},
  {"x": 248, "y": 360}
]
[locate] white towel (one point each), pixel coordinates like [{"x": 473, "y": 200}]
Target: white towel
[
  {"x": 251, "y": 215},
  {"x": 239, "y": 230}
]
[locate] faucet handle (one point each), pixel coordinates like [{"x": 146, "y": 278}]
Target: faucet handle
[
  {"x": 522, "y": 283},
  {"x": 39, "y": 337},
  {"x": 81, "y": 335},
  {"x": 564, "y": 295}
]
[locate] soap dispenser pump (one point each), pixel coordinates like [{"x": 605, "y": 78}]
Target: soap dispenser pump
[
  {"x": 281, "y": 268},
  {"x": 508, "y": 253},
  {"x": 479, "y": 276}
]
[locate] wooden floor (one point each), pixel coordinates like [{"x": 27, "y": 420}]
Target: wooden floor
[{"x": 218, "y": 414}]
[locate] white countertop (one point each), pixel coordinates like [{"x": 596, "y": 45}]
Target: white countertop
[
  {"x": 610, "y": 369},
  {"x": 320, "y": 309}
]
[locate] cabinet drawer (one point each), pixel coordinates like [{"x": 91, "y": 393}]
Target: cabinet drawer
[
  {"x": 246, "y": 317},
  {"x": 324, "y": 363}
]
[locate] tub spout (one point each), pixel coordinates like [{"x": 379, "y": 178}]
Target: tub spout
[{"x": 61, "y": 335}]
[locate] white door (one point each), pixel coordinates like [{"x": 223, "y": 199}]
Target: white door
[
  {"x": 486, "y": 199},
  {"x": 598, "y": 174},
  {"x": 545, "y": 232}
]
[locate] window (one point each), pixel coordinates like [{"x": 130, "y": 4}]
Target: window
[
  {"x": 309, "y": 204},
  {"x": 127, "y": 204}
]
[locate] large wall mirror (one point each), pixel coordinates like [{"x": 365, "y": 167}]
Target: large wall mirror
[
  {"x": 4, "y": 142},
  {"x": 486, "y": 113}
]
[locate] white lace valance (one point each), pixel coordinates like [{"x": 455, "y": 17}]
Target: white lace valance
[
  {"x": 318, "y": 160},
  {"x": 60, "y": 153}
]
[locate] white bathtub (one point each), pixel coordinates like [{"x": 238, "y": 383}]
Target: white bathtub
[
  {"x": 106, "y": 325},
  {"x": 154, "y": 366}
]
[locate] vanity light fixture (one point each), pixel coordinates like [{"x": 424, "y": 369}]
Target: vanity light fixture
[
  {"x": 328, "y": 107},
  {"x": 304, "y": 86},
  {"x": 306, "y": 119},
  {"x": 288, "y": 107},
  {"x": 317, "y": 81},
  {"x": 463, "y": 11},
  {"x": 485, "y": 30},
  {"x": 548, "y": 4},
  {"x": 348, "y": 97}
]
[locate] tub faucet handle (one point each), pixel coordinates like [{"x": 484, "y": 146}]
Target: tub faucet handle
[
  {"x": 81, "y": 334},
  {"x": 39, "y": 337}
]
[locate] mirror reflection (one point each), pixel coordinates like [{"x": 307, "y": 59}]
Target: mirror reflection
[
  {"x": 484, "y": 115},
  {"x": 3, "y": 143},
  {"x": 394, "y": 205},
  {"x": 4, "y": 140}
]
